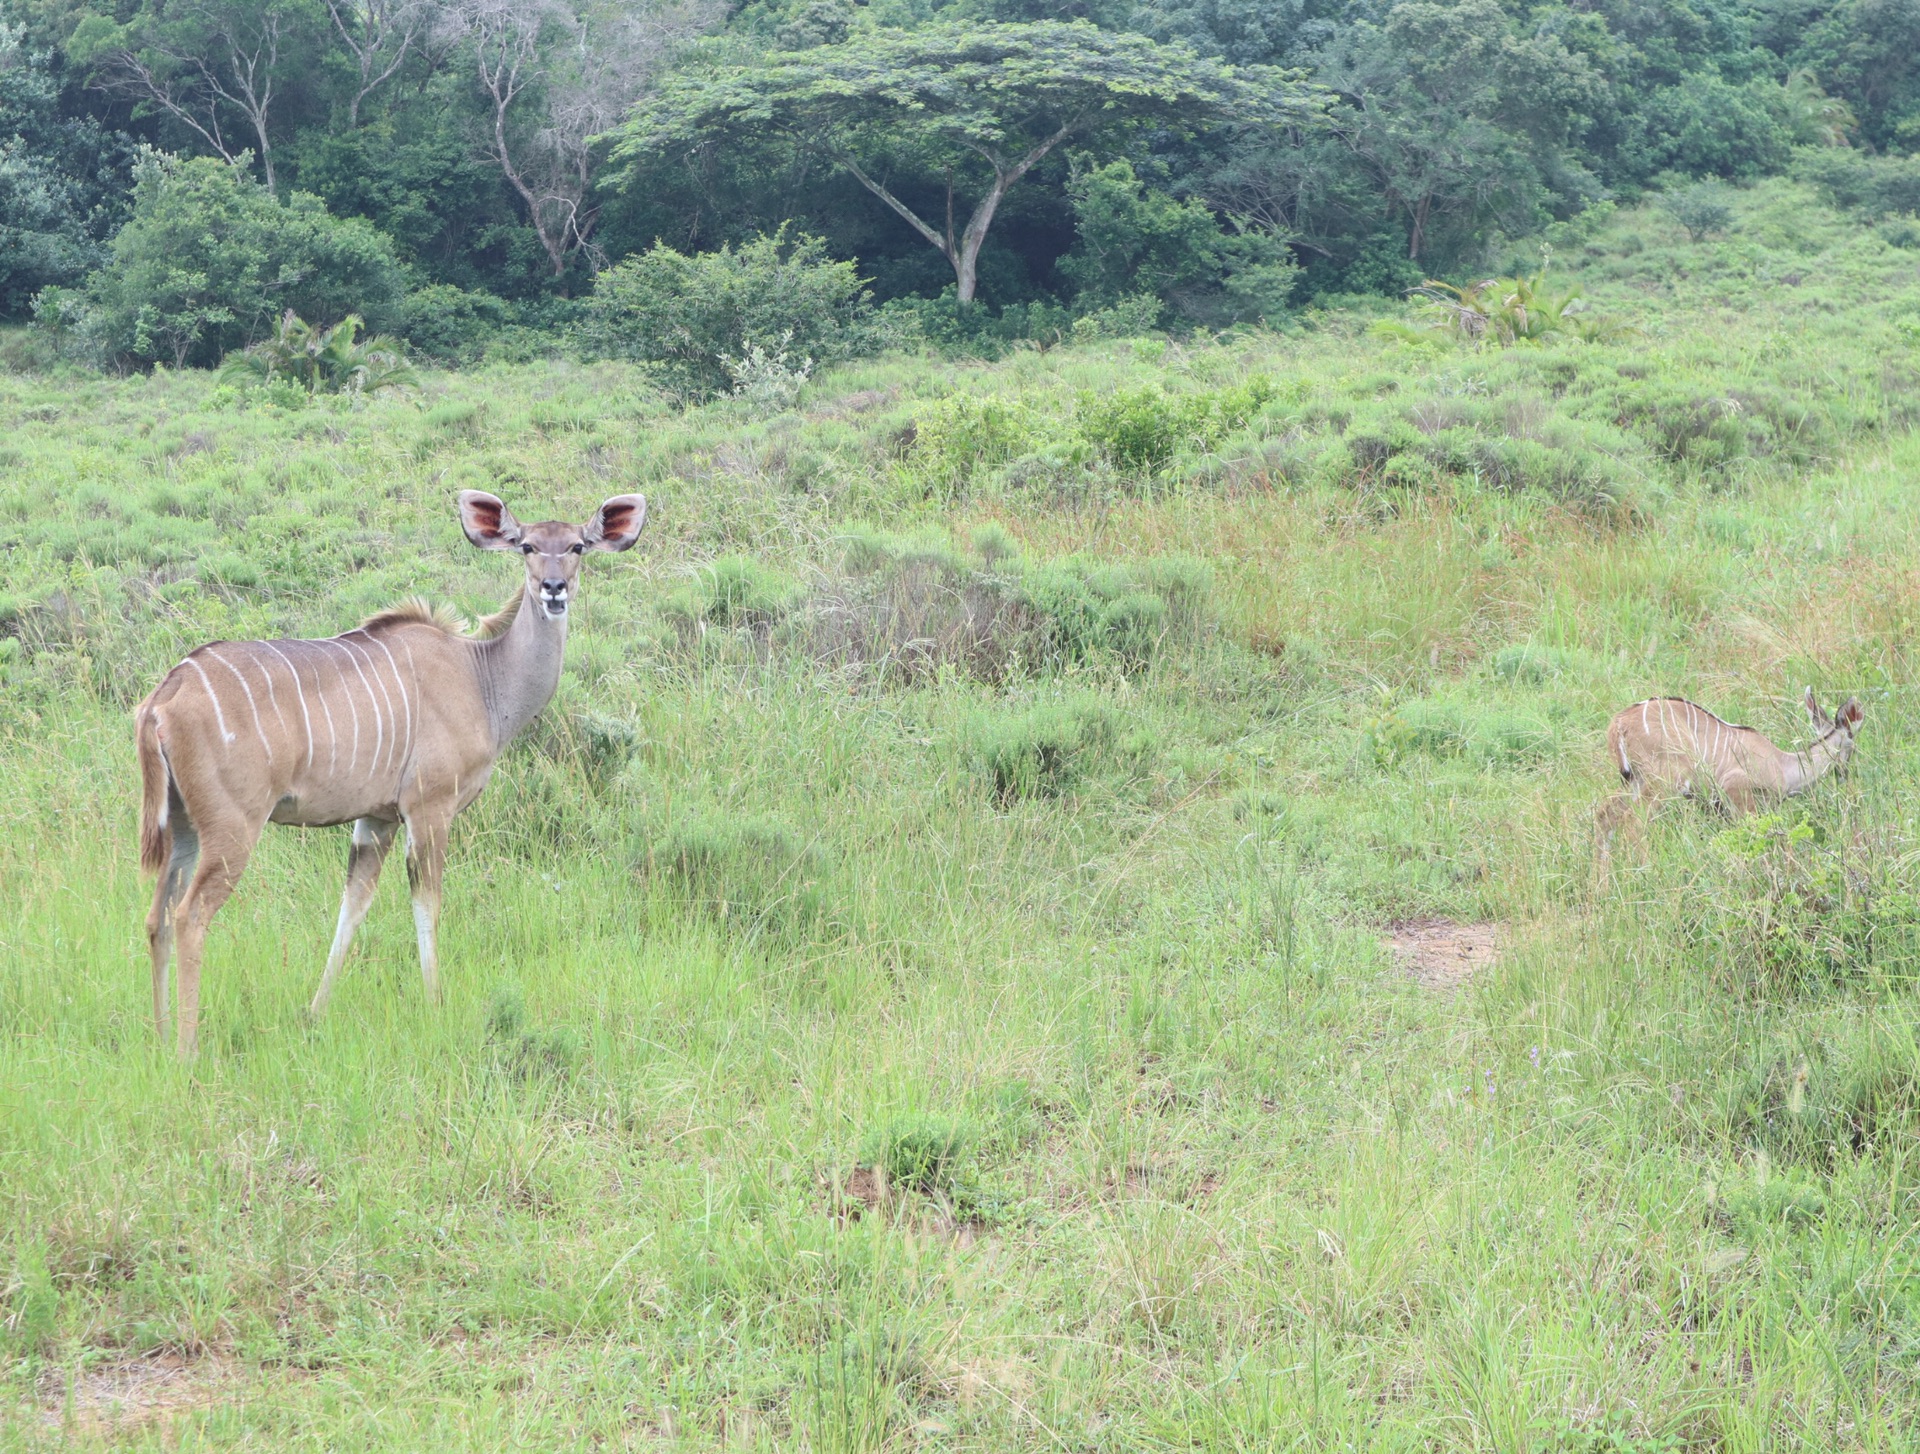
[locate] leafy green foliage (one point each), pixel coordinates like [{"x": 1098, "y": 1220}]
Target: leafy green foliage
[
  {"x": 984, "y": 102},
  {"x": 1701, "y": 209},
  {"x": 1134, "y": 242},
  {"x": 917, "y": 1153},
  {"x": 694, "y": 318},
  {"x": 323, "y": 360},
  {"x": 210, "y": 259},
  {"x": 1143, "y": 429}
]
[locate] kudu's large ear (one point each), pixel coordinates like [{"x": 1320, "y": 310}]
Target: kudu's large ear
[
  {"x": 1821, "y": 721},
  {"x": 616, "y": 524},
  {"x": 488, "y": 522},
  {"x": 1851, "y": 715}
]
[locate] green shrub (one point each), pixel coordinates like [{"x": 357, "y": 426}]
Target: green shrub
[
  {"x": 917, "y": 1153},
  {"x": 1702, "y": 209},
  {"x": 962, "y": 434},
  {"x": 210, "y": 259},
  {"x": 687, "y": 316},
  {"x": 735, "y": 590},
  {"x": 1142, "y": 253},
  {"x": 740, "y": 869},
  {"x": 1780, "y": 906},
  {"x": 1141, "y": 430},
  {"x": 525, "y": 1052},
  {"x": 1046, "y": 750},
  {"x": 1875, "y": 186},
  {"x": 450, "y": 324},
  {"x": 322, "y": 360},
  {"x": 1490, "y": 736},
  {"x": 1527, "y": 665},
  {"x": 1084, "y": 608}
]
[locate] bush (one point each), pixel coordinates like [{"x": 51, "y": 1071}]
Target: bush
[
  {"x": 322, "y": 360},
  {"x": 1137, "y": 244},
  {"x": 1874, "y": 186},
  {"x": 1047, "y": 750},
  {"x": 1783, "y": 907},
  {"x": 1490, "y": 737},
  {"x": 525, "y": 1052},
  {"x": 917, "y": 1153},
  {"x": 734, "y": 591},
  {"x": 962, "y": 434},
  {"x": 741, "y": 870},
  {"x": 688, "y": 316},
  {"x": 451, "y": 324},
  {"x": 210, "y": 259},
  {"x": 1141, "y": 430},
  {"x": 1702, "y": 209}
]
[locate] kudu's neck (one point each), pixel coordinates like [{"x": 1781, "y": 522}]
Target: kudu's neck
[
  {"x": 1801, "y": 770},
  {"x": 519, "y": 669}
]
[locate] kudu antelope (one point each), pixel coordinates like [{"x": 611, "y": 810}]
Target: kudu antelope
[
  {"x": 1669, "y": 747},
  {"x": 398, "y": 721}
]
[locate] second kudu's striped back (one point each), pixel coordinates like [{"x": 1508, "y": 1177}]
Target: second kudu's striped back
[
  {"x": 1668, "y": 746},
  {"x": 397, "y": 721}
]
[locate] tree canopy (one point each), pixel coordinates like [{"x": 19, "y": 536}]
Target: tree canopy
[{"x": 979, "y": 104}]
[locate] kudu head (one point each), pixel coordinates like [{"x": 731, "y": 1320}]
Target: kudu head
[
  {"x": 1836, "y": 733},
  {"x": 551, "y": 548}
]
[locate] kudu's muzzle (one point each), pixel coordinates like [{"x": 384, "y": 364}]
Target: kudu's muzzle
[{"x": 553, "y": 597}]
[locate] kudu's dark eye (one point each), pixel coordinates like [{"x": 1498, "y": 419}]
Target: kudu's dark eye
[
  {"x": 579, "y": 548},
  {"x": 526, "y": 550}
]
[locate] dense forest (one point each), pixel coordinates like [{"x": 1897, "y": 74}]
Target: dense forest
[{"x": 175, "y": 173}]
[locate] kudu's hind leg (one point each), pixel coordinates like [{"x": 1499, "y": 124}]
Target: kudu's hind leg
[
  {"x": 224, "y": 851},
  {"x": 371, "y": 840},
  {"x": 426, "y": 859},
  {"x": 182, "y": 857},
  {"x": 1611, "y": 816}
]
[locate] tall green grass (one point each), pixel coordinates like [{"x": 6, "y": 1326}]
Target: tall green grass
[{"x": 1002, "y": 1053}]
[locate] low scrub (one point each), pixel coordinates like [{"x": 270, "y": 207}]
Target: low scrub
[
  {"x": 1782, "y": 905},
  {"x": 1046, "y": 750},
  {"x": 1490, "y": 736},
  {"x": 745, "y": 871}
]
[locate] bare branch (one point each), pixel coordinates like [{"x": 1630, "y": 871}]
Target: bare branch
[{"x": 377, "y": 31}]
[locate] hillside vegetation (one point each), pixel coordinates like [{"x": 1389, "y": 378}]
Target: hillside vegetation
[{"x": 921, "y": 984}]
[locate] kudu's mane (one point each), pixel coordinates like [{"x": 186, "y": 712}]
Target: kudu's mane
[{"x": 419, "y": 610}]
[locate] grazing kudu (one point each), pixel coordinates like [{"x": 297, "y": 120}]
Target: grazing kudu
[
  {"x": 398, "y": 721},
  {"x": 1668, "y": 747}
]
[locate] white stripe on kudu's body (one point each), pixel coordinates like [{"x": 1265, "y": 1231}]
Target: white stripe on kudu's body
[
  {"x": 1669, "y": 747},
  {"x": 419, "y": 710}
]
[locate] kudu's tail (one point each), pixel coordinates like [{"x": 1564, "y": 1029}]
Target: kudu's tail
[{"x": 156, "y": 839}]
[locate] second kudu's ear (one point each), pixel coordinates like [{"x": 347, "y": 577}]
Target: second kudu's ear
[
  {"x": 1852, "y": 714},
  {"x": 616, "y": 524},
  {"x": 1821, "y": 721},
  {"x": 488, "y": 522}
]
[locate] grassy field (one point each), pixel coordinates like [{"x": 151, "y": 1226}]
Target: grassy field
[{"x": 922, "y": 983}]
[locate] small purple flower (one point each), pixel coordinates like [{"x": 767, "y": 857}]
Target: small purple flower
[
  {"x": 1533, "y": 1054},
  {"x": 1490, "y": 1083}
]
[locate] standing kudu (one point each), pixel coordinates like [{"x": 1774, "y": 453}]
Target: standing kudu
[
  {"x": 398, "y": 721},
  {"x": 1668, "y": 747}
]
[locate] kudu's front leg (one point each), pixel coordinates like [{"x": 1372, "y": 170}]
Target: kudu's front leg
[
  {"x": 426, "y": 860},
  {"x": 371, "y": 840}
]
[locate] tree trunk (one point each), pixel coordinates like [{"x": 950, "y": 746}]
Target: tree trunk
[{"x": 966, "y": 258}]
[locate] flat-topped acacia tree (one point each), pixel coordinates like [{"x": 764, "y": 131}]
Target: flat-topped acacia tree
[{"x": 986, "y": 101}]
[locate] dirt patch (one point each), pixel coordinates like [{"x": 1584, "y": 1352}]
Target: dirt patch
[
  {"x": 135, "y": 1393},
  {"x": 1441, "y": 954}
]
